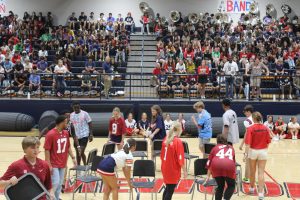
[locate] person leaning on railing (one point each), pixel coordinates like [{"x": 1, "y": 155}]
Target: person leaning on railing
[{"x": 296, "y": 82}]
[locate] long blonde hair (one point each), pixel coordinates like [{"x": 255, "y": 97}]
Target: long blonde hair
[{"x": 176, "y": 130}]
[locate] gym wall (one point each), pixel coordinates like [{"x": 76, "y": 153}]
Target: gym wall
[{"x": 61, "y": 9}]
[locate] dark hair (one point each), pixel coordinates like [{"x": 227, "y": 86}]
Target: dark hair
[
  {"x": 75, "y": 103},
  {"x": 60, "y": 119},
  {"x": 226, "y": 102},
  {"x": 248, "y": 108},
  {"x": 63, "y": 112},
  {"x": 158, "y": 110},
  {"x": 221, "y": 139},
  {"x": 130, "y": 143}
]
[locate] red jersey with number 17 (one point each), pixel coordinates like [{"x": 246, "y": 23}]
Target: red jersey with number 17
[
  {"x": 117, "y": 126},
  {"x": 58, "y": 144},
  {"x": 221, "y": 161},
  {"x": 172, "y": 159}
]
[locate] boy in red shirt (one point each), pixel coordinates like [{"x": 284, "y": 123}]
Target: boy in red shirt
[
  {"x": 29, "y": 163},
  {"x": 57, "y": 148},
  {"x": 172, "y": 157},
  {"x": 117, "y": 128}
]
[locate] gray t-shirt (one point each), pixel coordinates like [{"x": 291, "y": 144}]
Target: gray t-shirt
[{"x": 230, "y": 119}]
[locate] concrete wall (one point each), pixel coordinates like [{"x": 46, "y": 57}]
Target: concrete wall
[{"x": 63, "y": 8}]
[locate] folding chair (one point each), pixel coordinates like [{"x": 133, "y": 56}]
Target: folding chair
[
  {"x": 199, "y": 171},
  {"x": 28, "y": 187},
  {"x": 83, "y": 168},
  {"x": 108, "y": 148},
  {"x": 144, "y": 168},
  {"x": 157, "y": 144},
  {"x": 239, "y": 173},
  {"x": 187, "y": 155},
  {"x": 90, "y": 176},
  {"x": 141, "y": 149},
  {"x": 208, "y": 147}
]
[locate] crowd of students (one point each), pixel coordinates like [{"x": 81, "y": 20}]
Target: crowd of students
[
  {"x": 215, "y": 54},
  {"x": 25, "y": 44}
]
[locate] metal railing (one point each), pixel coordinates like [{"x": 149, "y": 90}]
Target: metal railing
[{"x": 169, "y": 86}]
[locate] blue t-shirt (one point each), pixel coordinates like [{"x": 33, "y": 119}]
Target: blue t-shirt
[
  {"x": 159, "y": 123},
  {"x": 204, "y": 120}
]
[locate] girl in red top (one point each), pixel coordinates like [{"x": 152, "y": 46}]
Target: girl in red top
[
  {"x": 117, "y": 128},
  {"x": 280, "y": 128},
  {"x": 221, "y": 165},
  {"x": 257, "y": 141},
  {"x": 172, "y": 157},
  {"x": 203, "y": 72}
]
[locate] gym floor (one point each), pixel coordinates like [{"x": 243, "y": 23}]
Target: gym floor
[{"x": 282, "y": 166}]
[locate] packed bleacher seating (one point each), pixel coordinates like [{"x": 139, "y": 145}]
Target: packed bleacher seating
[
  {"x": 219, "y": 58},
  {"x": 40, "y": 58}
]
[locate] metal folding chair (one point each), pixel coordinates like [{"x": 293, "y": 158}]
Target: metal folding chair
[
  {"x": 199, "y": 171},
  {"x": 144, "y": 168},
  {"x": 90, "y": 176},
  {"x": 208, "y": 147},
  {"x": 187, "y": 155},
  {"x": 157, "y": 144},
  {"x": 84, "y": 168},
  {"x": 239, "y": 173},
  {"x": 141, "y": 149},
  {"x": 28, "y": 187},
  {"x": 108, "y": 148}
]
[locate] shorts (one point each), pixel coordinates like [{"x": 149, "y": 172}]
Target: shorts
[
  {"x": 255, "y": 81},
  {"x": 83, "y": 141},
  {"x": 203, "y": 141},
  {"x": 258, "y": 154},
  {"x": 116, "y": 139},
  {"x": 107, "y": 166},
  {"x": 202, "y": 79}
]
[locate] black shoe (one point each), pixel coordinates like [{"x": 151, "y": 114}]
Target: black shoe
[{"x": 63, "y": 189}]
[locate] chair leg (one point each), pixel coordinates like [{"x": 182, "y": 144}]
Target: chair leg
[
  {"x": 193, "y": 190},
  {"x": 73, "y": 194},
  {"x": 188, "y": 169},
  {"x": 205, "y": 193}
]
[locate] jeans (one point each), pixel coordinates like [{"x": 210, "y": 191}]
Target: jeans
[
  {"x": 229, "y": 87},
  {"x": 168, "y": 193},
  {"x": 220, "y": 189},
  {"x": 61, "y": 84},
  {"x": 120, "y": 54},
  {"x": 57, "y": 181},
  {"x": 143, "y": 28},
  {"x": 246, "y": 91}
]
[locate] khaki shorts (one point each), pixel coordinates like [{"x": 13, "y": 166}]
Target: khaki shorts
[
  {"x": 203, "y": 141},
  {"x": 258, "y": 154}
]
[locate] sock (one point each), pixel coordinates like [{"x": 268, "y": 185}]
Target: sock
[
  {"x": 261, "y": 194},
  {"x": 251, "y": 189}
]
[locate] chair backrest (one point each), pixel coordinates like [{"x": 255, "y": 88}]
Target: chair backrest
[
  {"x": 208, "y": 147},
  {"x": 27, "y": 182},
  {"x": 141, "y": 145},
  {"x": 145, "y": 168},
  {"x": 108, "y": 148},
  {"x": 157, "y": 144},
  {"x": 92, "y": 154},
  {"x": 186, "y": 147},
  {"x": 95, "y": 163},
  {"x": 200, "y": 167}
]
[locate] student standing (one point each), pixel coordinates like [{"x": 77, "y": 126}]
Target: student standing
[
  {"x": 230, "y": 123},
  {"x": 172, "y": 157}
]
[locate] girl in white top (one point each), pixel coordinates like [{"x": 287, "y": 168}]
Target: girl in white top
[
  {"x": 181, "y": 120},
  {"x": 270, "y": 124},
  {"x": 180, "y": 67},
  {"x": 122, "y": 159},
  {"x": 293, "y": 128},
  {"x": 131, "y": 126},
  {"x": 168, "y": 123}
]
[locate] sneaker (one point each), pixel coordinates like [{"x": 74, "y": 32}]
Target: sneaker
[
  {"x": 261, "y": 198},
  {"x": 290, "y": 97},
  {"x": 246, "y": 180},
  {"x": 251, "y": 190},
  {"x": 275, "y": 138}
]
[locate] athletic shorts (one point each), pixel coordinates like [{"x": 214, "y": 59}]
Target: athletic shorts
[
  {"x": 203, "y": 141},
  {"x": 116, "y": 139},
  {"x": 107, "y": 166},
  {"x": 83, "y": 141},
  {"x": 258, "y": 154}
]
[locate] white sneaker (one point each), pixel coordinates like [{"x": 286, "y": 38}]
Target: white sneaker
[
  {"x": 275, "y": 138},
  {"x": 290, "y": 97}
]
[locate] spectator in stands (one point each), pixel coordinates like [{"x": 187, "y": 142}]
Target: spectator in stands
[
  {"x": 129, "y": 23},
  {"x": 72, "y": 21},
  {"x": 156, "y": 72},
  {"x": 280, "y": 128},
  {"x": 109, "y": 28},
  {"x": 86, "y": 83},
  {"x": 59, "y": 83},
  {"x": 293, "y": 128},
  {"x": 82, "y": 20},
  {"x": 180, "y": 67},
  {"x": 110, "y": 18},
  {"x": 230, "y": 70},
  {"x": 285, "y": 82},
  {"x": 18, "y": 67},
  {"x": 43, "y": 52},
  {"x": 16, "y": 57},
  {"x": 34, "y": 81},
  {"x": 8, "y": 67},
  {"x": 203, "y": 72},
  {"x": 20, "y": 82},
  {"x": 190, "y": 66},
  {"x": 296, "y": 82},
  {"x": 42, "y": 66},
  {"x": 107, "y": 68},
  {"x": 90, "y": 67},
  {"x": 91, "y": 21},
  {"x": 2, "y": 76},
  {"x": 143, "y": 124},
  {"x": 145, "y": 22}
]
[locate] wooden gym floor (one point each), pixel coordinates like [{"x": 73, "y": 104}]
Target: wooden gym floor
[{"x": 283, "y": 165}]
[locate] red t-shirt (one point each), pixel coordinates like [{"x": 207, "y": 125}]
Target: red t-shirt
[
  {"x": 221, "y": 161},
  {"x": 258, "y": 136},
  {"x": 22, "y": 166},
  {"x": 58, "y": 145},
  {"x": 203, "y": 70},
  {"x": 117, "y": 127},
  {"x": 172, "y": 159},
  {"x": 156, "y": 71}
]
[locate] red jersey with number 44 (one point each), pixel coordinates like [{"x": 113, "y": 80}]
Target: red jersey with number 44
[
  {"x": 221, "y": 161},
  {"x": 117, "y": 126},
  {"x": 172, "y": 159},
  {"x": 58, "y": 144}
]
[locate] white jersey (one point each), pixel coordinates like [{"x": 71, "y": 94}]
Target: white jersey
[
  {"x": 269, "y": 125},
  {"x": 248, "y": 122},
  {"x": 122, "y": 159},
  {"x": 168, "y": 124},
  {"x": 131, "y": 124},
  {"x": 230, "y": 120},
  {"x": 81, "y": 122},
  {"x": 293, "y": 125}
]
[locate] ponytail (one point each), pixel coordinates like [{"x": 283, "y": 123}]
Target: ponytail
[
  {"x": 176, "y": 130},
  {"x": 127, "y": 146}
]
